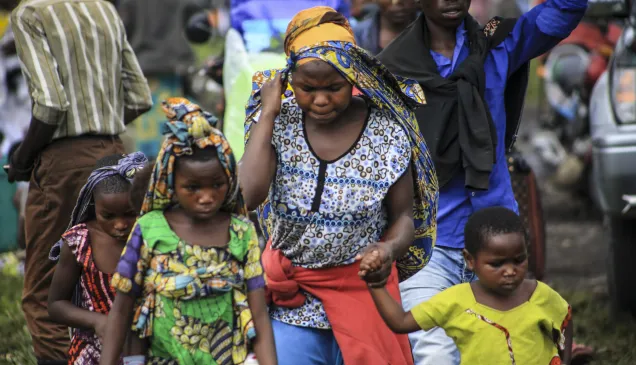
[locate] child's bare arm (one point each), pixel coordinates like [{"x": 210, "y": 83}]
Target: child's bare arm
[
  {"x": 392, "y": 312},
  {"x": 61, "y": 309},
  {"x": 566, "y": 353},
  {"x": 135, "y": 345},
  {"x": 117, "y": 329},
  {"x": 264, "y": 341}
]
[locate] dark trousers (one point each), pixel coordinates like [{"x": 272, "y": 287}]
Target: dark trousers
[{"x": 61, "y": 171}]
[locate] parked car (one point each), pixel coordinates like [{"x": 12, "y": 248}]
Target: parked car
[{"x": 613, "y": 181}]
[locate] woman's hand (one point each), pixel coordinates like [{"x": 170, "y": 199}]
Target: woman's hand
[
  {"x": 258, "y": 164},
  {"x": 377, "y": 264},
  {"x": 270, "y": 96},
  {"x": 398, "y": 236}
]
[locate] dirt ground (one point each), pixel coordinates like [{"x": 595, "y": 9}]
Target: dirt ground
[
  {"x": 576, "y": 246},
  {"x": 576, "y": 250},
  {"x": 576, "y": 263}
]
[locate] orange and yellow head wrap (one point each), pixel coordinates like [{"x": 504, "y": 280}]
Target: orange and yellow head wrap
[
  {"x": 321, "y": 33},
  {"x": 315, "y": 25}
]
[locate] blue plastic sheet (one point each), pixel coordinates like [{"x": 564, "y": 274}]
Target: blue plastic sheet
[{"x": 262, "y": 23}]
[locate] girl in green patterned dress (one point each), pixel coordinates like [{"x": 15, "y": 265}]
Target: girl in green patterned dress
[{"x": 190, "y": 278}]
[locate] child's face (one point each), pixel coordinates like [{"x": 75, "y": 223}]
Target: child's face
[
  {"x": 114, "y": 214},
  {"x": 501, "y": 263},
  {"x": 200, "y": 187},
  {"x": 320, "y": 91}
]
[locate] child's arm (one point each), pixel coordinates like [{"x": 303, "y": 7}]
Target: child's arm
[
  {"x": 264, "y": 341},
  {"x": 566, "y": 353},
  {"x": 135, "y": 350},
  {"x": 118, "y": 327},
  {"x": 61, "y": 309},
  {"x": 133, "y": 260},
  {"x": 392, "y": 312},
  {"x": 371, "y": 262}
]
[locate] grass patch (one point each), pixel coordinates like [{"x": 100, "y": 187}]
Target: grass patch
[
  {"x": 612, "y": 338},
  {"x": 15, "y": 343}
]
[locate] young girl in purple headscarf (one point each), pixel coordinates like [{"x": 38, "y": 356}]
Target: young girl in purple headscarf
[{"x": 80, "y": 295}]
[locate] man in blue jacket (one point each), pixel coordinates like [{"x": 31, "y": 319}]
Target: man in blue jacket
[{"x": 474, "y": 80}]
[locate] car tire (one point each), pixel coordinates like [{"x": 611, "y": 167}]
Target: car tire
[{"x": 621, "y": 271}]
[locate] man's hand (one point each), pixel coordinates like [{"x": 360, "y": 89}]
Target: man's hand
[
  {"x": 9, "y": 48},
  {"x": 378, "y": 260},
  {"x": 18, "y": 170},
  {"x": 36, "y": 139}
]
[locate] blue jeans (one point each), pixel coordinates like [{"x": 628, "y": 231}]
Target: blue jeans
[
  {"x": 445, "y": 269},
  {"x": 308, "y": 346}
]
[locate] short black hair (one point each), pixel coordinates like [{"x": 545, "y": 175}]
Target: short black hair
[
  {"x": 140, "y": 186},
  {"x": 113, "y": 184},
  {"x": 488, "y": 222}
]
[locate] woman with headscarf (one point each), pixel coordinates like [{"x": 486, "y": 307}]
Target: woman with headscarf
[
  {"x": 190, "y": 278},
  {"x": 333, "y": 175}
]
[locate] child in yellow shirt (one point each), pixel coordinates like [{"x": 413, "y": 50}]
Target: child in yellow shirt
[{"x": 503, "y": 318}]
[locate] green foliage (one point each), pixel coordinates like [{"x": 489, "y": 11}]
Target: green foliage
[
  {"x": 15, "y": 343},
  {"x": 535, "y": 87},
  {"x": 613, "y": 337}
]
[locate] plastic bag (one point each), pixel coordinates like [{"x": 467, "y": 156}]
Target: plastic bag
[{"x": 238, "y": 69}]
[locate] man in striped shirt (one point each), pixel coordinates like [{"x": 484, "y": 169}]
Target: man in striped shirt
[{"x": 86, "y": 85}]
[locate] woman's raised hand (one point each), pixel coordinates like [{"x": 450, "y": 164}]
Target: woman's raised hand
[{"x": 270, "y": 96}]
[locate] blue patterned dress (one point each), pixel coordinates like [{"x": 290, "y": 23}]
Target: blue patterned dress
[{"x": 325, "y": 212}]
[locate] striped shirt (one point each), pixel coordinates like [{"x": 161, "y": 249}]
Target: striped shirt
[{"x": 80, "y": 68}]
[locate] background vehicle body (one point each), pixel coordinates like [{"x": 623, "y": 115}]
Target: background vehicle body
[{"x": 613, "y": 182}]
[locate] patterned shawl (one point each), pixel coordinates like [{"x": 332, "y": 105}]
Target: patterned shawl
[
  {"x": 384, "y": 90},
  {"x": 189, "y": 126}
]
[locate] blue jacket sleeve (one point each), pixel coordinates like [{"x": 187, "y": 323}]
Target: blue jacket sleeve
[{"x": 542, "y": 28}]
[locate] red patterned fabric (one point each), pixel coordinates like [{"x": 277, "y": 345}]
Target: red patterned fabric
[
  {"x": 360, "y": 332},
  {"x": 95, "y": 295}
]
